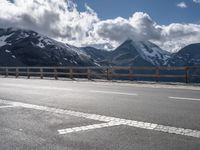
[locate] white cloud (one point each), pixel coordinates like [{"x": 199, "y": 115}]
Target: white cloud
[
  {"x": 61, "y": 20},
  {"x": 182, "y": 5},
  {"x": 196, "y": 1},
  {"x": 57, "y": 19},
  {"x": 176, "y": 35}
]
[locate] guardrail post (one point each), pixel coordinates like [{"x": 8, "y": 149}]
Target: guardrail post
[
  {"x": 157, "y": 74},
  {"x": 71, "y": 73},
  {"x": 130, "y": 73},
  {"x": 41, "y": 73},
  {"x": 89, "y": 73},
  {"x": 109, "y": 73},
  {"x": 28, "y": 73},
  {"x": 187, "y": 76},
  {"x": 55, "y": 73},
  {"x": 6, "y": 72},
  {"x": 17, "y": 72}
]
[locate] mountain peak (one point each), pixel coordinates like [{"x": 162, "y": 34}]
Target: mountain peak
[
  {"x": 191, "y": 49},
  {"x": 131, "y": 41},
  {"x": 26, "y": 47},
  {"x": 146, "y": 49}
]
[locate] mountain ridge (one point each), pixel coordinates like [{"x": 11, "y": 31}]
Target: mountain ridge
[{"x": 28, "y": 48}]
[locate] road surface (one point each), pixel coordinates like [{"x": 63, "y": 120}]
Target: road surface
[{"x": 83, "y": 115}]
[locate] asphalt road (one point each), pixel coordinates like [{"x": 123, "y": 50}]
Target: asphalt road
[{"x": 74, "y": 115}]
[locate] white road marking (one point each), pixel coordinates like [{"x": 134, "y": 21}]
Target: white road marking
[
  {"x": 89, "y": 127},
  {"x": 110, "y": 92},
  {"x": 114, "y": 120},
  {"x": 184, "y": 98},
  {"x": 7, "y": 106}
]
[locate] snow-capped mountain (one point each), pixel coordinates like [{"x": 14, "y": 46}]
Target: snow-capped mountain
[
  {"x": 187, "y": 56},
  {"x": 28, "y": 48},
  {"x": 140, "y": 53},
  {"x": 131, "y": 53}
]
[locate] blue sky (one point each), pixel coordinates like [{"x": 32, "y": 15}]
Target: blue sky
[{"x": 162, "y": 11}]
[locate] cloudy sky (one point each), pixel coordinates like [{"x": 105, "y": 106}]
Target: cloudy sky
[{"x": 172, "y": 24}]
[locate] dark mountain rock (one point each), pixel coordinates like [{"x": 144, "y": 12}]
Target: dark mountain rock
[
  {"x": 187, "y": 56},
  {"x": 28, "y": 48},
  {"x": 131, "y": 53},
  {"x": 101, "y": 57},
  {"x": 139, "y": 53}
]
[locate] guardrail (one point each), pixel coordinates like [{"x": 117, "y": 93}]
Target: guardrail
[{"x": 109, "y": 73}]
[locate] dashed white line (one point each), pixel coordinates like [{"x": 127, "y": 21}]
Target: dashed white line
[
  {"x": 110, "y": 92},
  {"x": 184, "y": 98},
  {"x": 109, "y": 120}
]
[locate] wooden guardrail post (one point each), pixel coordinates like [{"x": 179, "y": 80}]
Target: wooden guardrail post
[
  {"x": 130, "y": 73},
  {"x": 28, "y": 73},
  {"x": 6, "y": 72},
  {"x": 187, "y": 76},
  {"x": 55, "y": 73},
  {"x": 89, "y": 73},
  {"x": 41, "y": 73},
  {"x": 157, "y": 74},
  {"x": 17, "y": 72},
  {"x": 71, "y": 73},
  {"x": 109, "y": 73}
]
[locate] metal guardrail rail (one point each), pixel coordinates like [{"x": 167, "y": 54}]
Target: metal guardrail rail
[{"x": 108, "y": 73}]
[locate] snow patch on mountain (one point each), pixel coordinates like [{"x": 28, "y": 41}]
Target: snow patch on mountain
[
  {"x": 26, "y": 47},
  {"x": 13, "y": 56},
  {"x": 44, "y": 41},
  {"x": 3, "y": 39},
  {"x": 151, "y": 52},
  {"x": 7, "y": 51},
  {"x": 40, "y": 44}
]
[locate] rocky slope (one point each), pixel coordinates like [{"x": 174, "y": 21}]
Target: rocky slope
[
  {"x": 187, "y": 56},
  {"x": 28, "y": 48}
]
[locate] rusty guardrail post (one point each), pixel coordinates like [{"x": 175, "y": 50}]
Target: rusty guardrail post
[
  {"x": 6, "y": 72},
  {"x": 28, "y": 73},
  {"x": 71, "y": 73},
  {"x": 109, "y": 73},
  {"x": 41, "y": 73},
  {"x": 187, "y": 76},
  {"x": 89, "y": 73},
  {"x": 130, "y": 73},
  {"x": 157, "y": 74},
  {"x": 17, "y": 72},
  {"x": 55, "y": 73}
]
